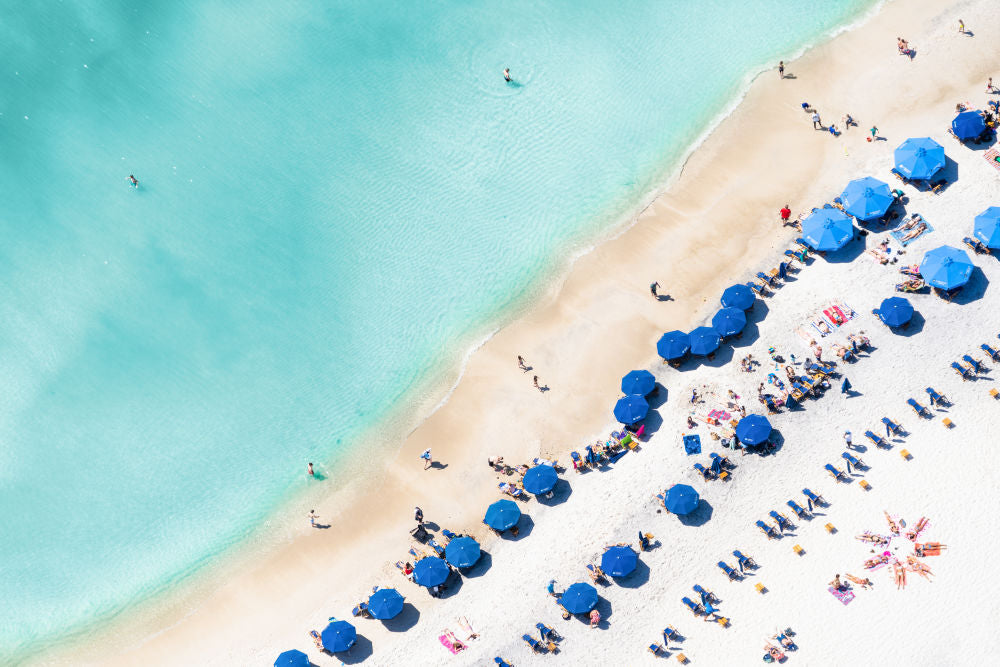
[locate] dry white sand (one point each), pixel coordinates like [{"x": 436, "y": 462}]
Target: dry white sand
[{"x": 716, "y": 224}]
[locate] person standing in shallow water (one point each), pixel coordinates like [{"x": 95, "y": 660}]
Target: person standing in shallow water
[
  {"x": 312, "y": 473},
  {"x": 506, "y": 74},
  {"x": 781, "y": 69},
  {"x": 133, "y": 180}
]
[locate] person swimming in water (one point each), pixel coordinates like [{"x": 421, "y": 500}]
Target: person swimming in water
[
  {"x": 133, "y": 180},
  {"x": 506, "y": 74}
]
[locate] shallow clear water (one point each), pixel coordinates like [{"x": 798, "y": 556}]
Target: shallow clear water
[{"x": 332, "y": 195}]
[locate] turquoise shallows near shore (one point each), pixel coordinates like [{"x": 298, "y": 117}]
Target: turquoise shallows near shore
[{"x": 334, "y": 196}]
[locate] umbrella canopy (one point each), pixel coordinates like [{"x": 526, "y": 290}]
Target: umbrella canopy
[
  {"x": 638, "y": 382},
  {"x": 895, "y": 311},
  {"x": 681, "y": 499},
  {"x": 827, "y": 229},
  {"x": 579, "y": 598},
  {"x": 968, "y": 125},
  {"x": 673, "y": 345},
  {"x": 987, "y": 227},
  {"x": 729, "y": 321},
  {"x": 753, "y": 429},
  {"x": 619, "y": 561},
  {"x": 704, "y": 340},
  {"x": 540, "y": 479},
  {"x": 919, "y": 158},
  {"x": 946, "y": 267},
  {"x": 338, "y": 636},
  {"x": 462, "y": 552},
  {"x": 292, "y": 658},
  {"x": 502, "y": 514},
  {"x": 385, "y": 603},
  {"x": 430, "y": 572},
  {"x": 738, "y": 296},
  {"x": 631, "y": 409},
  {"x": 866, "y": 198}
]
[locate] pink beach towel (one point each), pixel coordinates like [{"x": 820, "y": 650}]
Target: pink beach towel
[
  {"x": 452, "y": 644},
  {"x": 843, "y": 596}
]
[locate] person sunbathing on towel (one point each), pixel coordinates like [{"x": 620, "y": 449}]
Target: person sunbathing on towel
[
  {"x": 864, "y": 583},
  {"x": 912, "y": 270},
  {"x": 914, "y": 532},
  {"x": 893, "y": 526},
  {"x": 879, "y": 255},
  {"x": 918, "y": 567},
  {"x": 822, "y": 326},
  {"x": 929, "y": 549},
  {"x": 914, "y": 219},
  {"x": 876, "y": 561},
  {"x": 914, "y": 233}
]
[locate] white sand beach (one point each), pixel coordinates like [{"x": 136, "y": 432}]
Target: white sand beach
[{"x": 714, "y": 226}]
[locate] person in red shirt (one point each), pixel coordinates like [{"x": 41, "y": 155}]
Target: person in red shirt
[{"x": 786, "y": 213}]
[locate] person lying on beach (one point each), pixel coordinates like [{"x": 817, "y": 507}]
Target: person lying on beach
[
  {"x": 872, "y": 563},
  {"x": 496, "y": 462},
  {"x": 929, "y": 549},
  {"x": 841, "y": 351},
  {"x": 914, "y": 532},
  {"x": 914, "y": 233},
  {"x": 864, "y": 583},
  {"x": 783, "y": 639},
  {"x": 691, "y": 422},
  {"x": 822, "y": 326},
  {"x": 893, "y": 526},
  {"x": 911, "y": 223},
  {"x": 879, "y": 255},
  {"x": 918, "y": 567},
  {"x": 911, "y": 270}
]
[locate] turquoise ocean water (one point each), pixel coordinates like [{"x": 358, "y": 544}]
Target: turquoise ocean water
[{"x": 335, "y": 197}]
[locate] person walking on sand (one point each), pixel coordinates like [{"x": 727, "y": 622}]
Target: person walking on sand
[
  {"x": 781, "y": 69},
  {"x": 847, "y": 440},
  {"x": 312, "y": 518},
  {"x": 520, "y": 363},
  {"x": 817, "y": 123},
  {"x": 426, "y": 456},
  {"x": 551, "y": 588},
  {"x": 506, "y": 74},
  {"x": 785, "y": 214},
  {"x": 845, "y": 387},
  {"x": 535, "y": 380},
  {"x": 874, "y": 132},
  {"x": 310, "y": 469},
  {"x": 652, "y": 290},
  {"x": 989, "y": 89},
  {"x": 961, "y": 26}
]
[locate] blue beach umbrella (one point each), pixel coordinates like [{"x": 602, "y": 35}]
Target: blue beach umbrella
[
  {"x": 502, "y": 514},
  {"x": 462, "y": 552},
  {"x": 738, "y": 296},
  {"x": 619, "y": 561},
  {"x": 895, "y": 311},
  {"x": 919, "y": 158},
  {"x": 681, "y": 499},
  {"x": 385, "y": 603},
  {"x": 729, "y": 321},
  {"x": 673, "y": 345},
  {"x": 430, "y": 572},
  {"x": 338, "y": 636},
  {"x": 631, "y": 409},
  {"x": 753, "y": 429},
  {"x": 867, "y": 198},
  {"x": 579, "y": 598},
  {"x": 987, "y": 227},
  {"x": 968, "y": 125},
  {"x": 946, "y": 267},
  {"x": 704, "y": 340},
  {"x": 638, "y": 382},
  {"x": 292, "y": 658},
  {"x": 827, "y": 229},
  {"x": 540, "y": 479}
]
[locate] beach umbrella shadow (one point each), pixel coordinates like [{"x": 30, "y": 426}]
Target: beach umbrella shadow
[
  {"x": 404, "y": 620},
  {"x": 699, "y": 516},
  {"x": 974, "y": 289},
  {"x": 652, "y": 422},
  {"x": 758, "y": 313},
  {"x": 560, "y": 493},
  {"x": 361, "y": 651},
  {"x": 658, "y": 398},
  {"x": 913, "y": 327},
  {"x": 636, "y": 578},
  {"x": 720, "y": 357},
  {"x": 850, "y": 252},
  {"x": 453, "y": 585},
  {"x": 524, "y": 528},
  {"x": 481, "y": 567},
  {"x": 747, "y": 337}
]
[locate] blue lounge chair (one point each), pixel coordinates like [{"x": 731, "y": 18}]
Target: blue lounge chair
[
  {"x": 976, "y": 245},
  {"x": 578, "y": 463},
  {"x": 701, "y": 591},
  {"x": 813, "y": 497},
  {"x": 510, "y": 489},
  {"x": 670, "y": 632},
  {"x": 919, "y": 409},
  {"x": 964, "y": 372},
  {"x": 891, "y": 426},
  {"x": 501, "y": 662},
  {"x": 696, "y": 609},
  {"x": 781, "y": 520},
  {"x": 707, "y": 474},
  {"x": 655, "y": 649},
  {"x": 994, "y": 355},
  {"x": 766, "y": 278},
  {"x": 800, "y": 511},
  {"x": 723, "y": 460},
  {"x": 837, "y": 474},
  {"x": 536, "y": 646},
  {"x": 361, "y": 610},
  {"x": 759, "y": 289},
  {"x": 730, "y": 572},
  {"x": 596, "y": 575},
  {"x": 936, "y": 398},
  {"x": 546, "y": 633},
  {"x": 856, "y": 462},
  {"x": 768, "y": 530},
  {"x": 976, "y": 365},
  {"x": 447, "y": 533},
  {"x": 745, "y": 561},
  {"x": 877, "y": 440}
]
